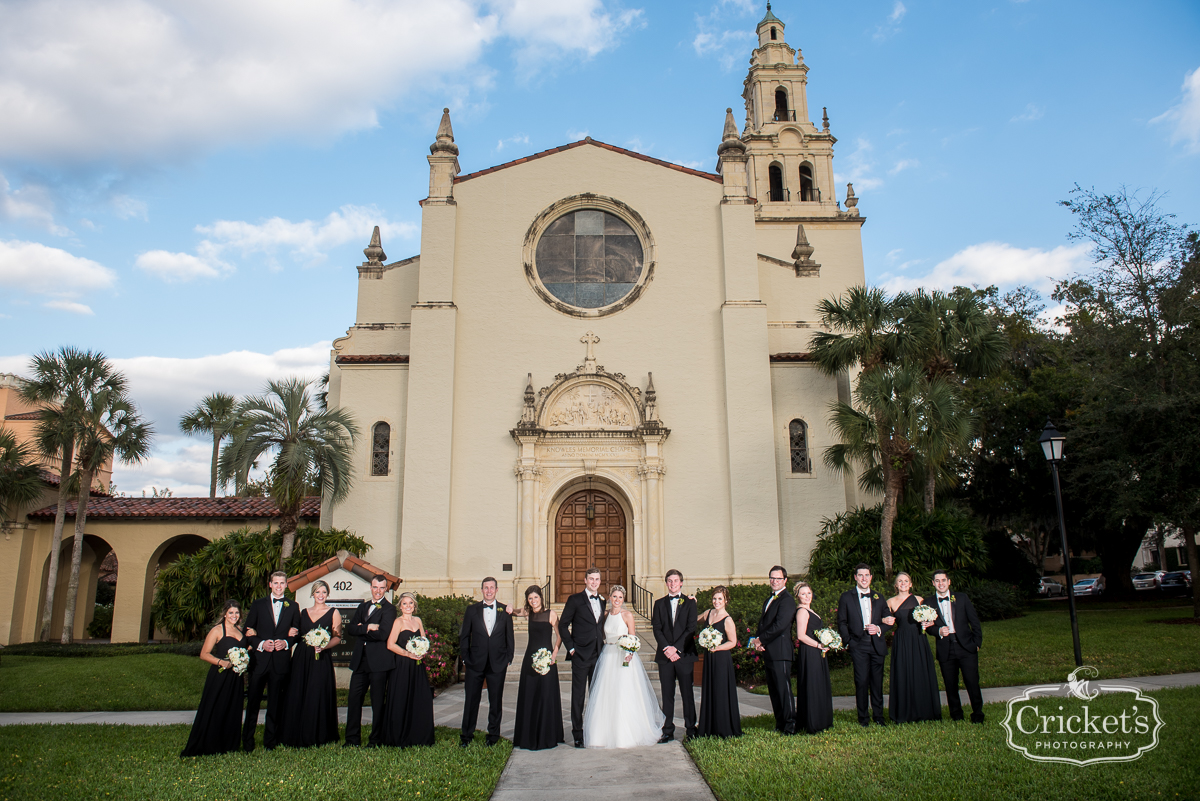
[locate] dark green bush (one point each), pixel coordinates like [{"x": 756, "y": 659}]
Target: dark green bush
[
  {"x": 101, "y": 626},
  {"x": 189, "y": 592},
  {"x": 995, "y": 600}
]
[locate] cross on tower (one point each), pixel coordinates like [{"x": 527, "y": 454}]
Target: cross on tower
[{"x": 589, "y": 361}]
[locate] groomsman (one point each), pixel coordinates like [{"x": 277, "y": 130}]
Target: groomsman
[
  {"x": 860, "y": 622},
  {"x": 271, "y": 628},
  {"x": 487, "y": 646},
  {"x": 370, "y": 662},
  {"x": 582, "y": 630},
  {"x": 959, "y": 637},
  {"x": 774, "y": 639},
  {"x": 674, "y": 623}
]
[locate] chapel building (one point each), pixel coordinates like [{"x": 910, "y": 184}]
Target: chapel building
[{"x": 600, "y": 358}]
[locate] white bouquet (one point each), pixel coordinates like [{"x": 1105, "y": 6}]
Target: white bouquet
[
  {"x": 709, "y": 639},
  {"x": 830, "y": 638},
  {"x": 239, "y": 658},
  {"x": 629, "y": 643},
  {"x": 924, "y": 614},
  {"x": 542, "y": 660},
  {"x": 317, "y": 638},
  {"x": 418, "y": 646}
]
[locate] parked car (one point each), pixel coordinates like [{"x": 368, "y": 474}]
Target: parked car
[
  {"x": 1173, "y": 582},
  {"x": 1050, "y": 588},
  {"x": 1145, "y": 581},
  {"x": 1187, "y": 575},
  {"x": 1091, "y": 586}
]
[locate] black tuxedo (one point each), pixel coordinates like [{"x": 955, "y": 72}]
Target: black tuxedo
[
  {"x": 867, "y": 651},
  {"x": 269, "y": 671},
  {"x": 582, "y": 633},
  {"x": 370, "y": 662},
  {"x": 485, "y": 656},
  {"x": 959, "y": 652},
  {"x": 774, "y": 633},
  {"x": 680, "y": 634}
]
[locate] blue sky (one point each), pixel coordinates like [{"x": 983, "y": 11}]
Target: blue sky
[{"x": 188, "y": 187}]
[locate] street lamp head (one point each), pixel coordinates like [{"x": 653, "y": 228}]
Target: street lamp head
[{"x": 1052, "y": 442}]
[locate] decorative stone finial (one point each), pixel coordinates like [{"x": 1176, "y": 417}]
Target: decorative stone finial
[
  {"x": 851, "y": 200},
  {"x": 651, "y": 412},
  {"x": 802, "y": 253},
  {"x": 730, "y": 141},
  {"x": 444, "y": 142},
  {"x": 374, "y": 251},
  {"x": 825, "y": 117},
  {"x": 528, "y": 412}
]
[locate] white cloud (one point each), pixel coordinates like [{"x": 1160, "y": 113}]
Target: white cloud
[
  {"x": 519, "y": 139},
  {"x": 127, "y": 207},
  {"x": 69, "y": 306},
  {"x": 898, "y": 12},
  {"x": 891, "y": 25},
  {"x": 549, "y": 28},
  {"x": 997, "y": 263},
  {"x": 859, "y": 165},
  {"x": 1032, "y": 112},
  {"x": 1185, "y": 116},
  {"x": 575, "y": 136},
  {"x": 725, "y": 36},
  {"x": 903, "y": 164},
  {"x": 179, "y": 266},
  {"x": 30, "y": 203},
  {"x": 34, "y": 267}
]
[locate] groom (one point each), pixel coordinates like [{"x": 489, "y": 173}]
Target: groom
[
  {"x": 582, "y": 630},
  {"x": 860, "y": 622},
  {"x": 271, "y": 628},
  {"x": 674, "y": 623},
  {"x": 487, "y": 646}
]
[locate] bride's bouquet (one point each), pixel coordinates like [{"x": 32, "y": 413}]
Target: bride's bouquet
[
  {"x": 830, "y": 638},
  {"x": 709, "y": 639},
  {"x": 317, "y": 638},
  {"x": 239, "y": 658},
  {"x": 541, "y": 660},
  {"x": 924, "y": 614},
  {"x": 418, "y": 646},
  {"x": 629, "y": 643}
]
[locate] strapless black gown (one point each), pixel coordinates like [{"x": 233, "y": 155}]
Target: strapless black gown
[
  {"x": 408, "y": 710},
  {"x": 217, "y": 728},
  {"x": 914, "y": 689},
  {"x": 539, "y": 722},
  {"x": 719, "y": 714},
  {"x": 310, "y": 717},
  {"x": 814, "y": 692}
]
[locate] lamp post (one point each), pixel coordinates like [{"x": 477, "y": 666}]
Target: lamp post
[{"x": 1052, "y": 446}]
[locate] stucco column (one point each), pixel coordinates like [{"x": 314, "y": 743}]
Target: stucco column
[
  {"x": 651, "y": 473},
  {"x": 528, "y": 476}
]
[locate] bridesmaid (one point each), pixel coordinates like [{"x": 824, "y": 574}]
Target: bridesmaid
[
  {"x": 914, "y": 689},
  {"x": 539, "y": 721},
  {"x": 311, "y": 703},
  {"x": 408, "y": 710},
  {"x": 719, "y": 714},
  {"x": 814, "y": 693},
  {"x": 217, "y": 728}
]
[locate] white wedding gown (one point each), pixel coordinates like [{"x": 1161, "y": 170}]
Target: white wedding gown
[{"x": 622, "y": 711}]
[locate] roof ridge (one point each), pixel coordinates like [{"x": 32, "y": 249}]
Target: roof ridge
[{"x": 711, "y": 176}]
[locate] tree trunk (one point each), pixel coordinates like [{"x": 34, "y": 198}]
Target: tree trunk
[
  {"x": 930, "y": 480},
  {"x": 892, "y": 488},
  {"x": 1189, "y": 539},
  {"x": 85, "y": 492},
  {"x": 212, "y": 488},
  {"x": 60, "y": 521},
  {"x": 287, "y": 527}
]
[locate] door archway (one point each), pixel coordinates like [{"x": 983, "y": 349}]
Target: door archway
[{"x": 580, "y": 543}]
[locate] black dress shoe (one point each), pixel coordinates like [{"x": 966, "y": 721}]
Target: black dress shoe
[
  {"x": 463, "y": 743},
  {"x": 666, "y": 738},
  {"x": 579, "y": 743},
  {"x": 351, "y": 745}
]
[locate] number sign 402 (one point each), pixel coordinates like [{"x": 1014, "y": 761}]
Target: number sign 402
[{"x": 343, "y": 586}]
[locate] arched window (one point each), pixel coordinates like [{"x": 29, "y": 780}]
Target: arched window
[
  {"x": 807, "y": 190},
  {"x": 772, "y": 33},
  {"x": 381, "y": 446},
  {"x": 781, "y": 106},
  {"x": 775, "y": 173},
  {"x": 798, "y": 441}
]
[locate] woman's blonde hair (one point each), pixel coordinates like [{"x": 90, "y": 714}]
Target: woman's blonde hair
[
  {"x": 896, "y": 580},
  {"x": 799, "y": 586},
  {"x": 404, "y": 595}
]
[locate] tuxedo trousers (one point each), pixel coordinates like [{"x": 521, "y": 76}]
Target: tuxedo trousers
[
  {"x": 960, "y": 660},
  {"x": 275, "y": 687},
  {"x": 779, "y": 687},
  {"x": 360, "y": 682},
  {"x": 669, "y": 673},
  {"x": 581, "y": 679},
  {"x": 473, "y": 690},
  {"x": 868, "y": 683}
]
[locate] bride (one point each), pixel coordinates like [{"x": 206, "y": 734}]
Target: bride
[{"x": 623, "y": 711}]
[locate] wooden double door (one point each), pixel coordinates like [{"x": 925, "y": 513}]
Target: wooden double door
[{"x": 580, "y": 543}]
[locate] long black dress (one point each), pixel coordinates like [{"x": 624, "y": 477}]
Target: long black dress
[
  {"x": 814, "y": 693},
  {"x": 719, "y": 714},
  {"x": 914, "y": 688},
  {"x": 539, "y": 721},
  {"x": 408, "y": 710},
  {"x": 310, "y": 708},
  {"x": 218, "y": 725}
]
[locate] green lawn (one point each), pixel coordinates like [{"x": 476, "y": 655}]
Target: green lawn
[
  {"x": 142, "y": 762},
  {"x": 944, "y": 760},
  {"x": 115, "y": 683}
]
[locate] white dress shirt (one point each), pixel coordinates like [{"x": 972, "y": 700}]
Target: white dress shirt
[
  {"x": 947, "y": 611},
  {"x": 864, "y": 605},
  {"x": 674, "y": 603},
  {"x": 594, "y": 601},
  {"x": 489, "y": 617}
]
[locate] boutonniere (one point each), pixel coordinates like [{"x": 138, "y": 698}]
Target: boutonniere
[
  {"x": 952, "y": 599},
  {"x": 876, "y": 596},
  {"x": 286, "y": 604}
]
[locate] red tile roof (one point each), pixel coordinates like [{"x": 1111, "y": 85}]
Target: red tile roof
[
  {"x": 791, "y": 357},
  {"x": 712, "y": 176},
  {"x": 373, "y": 358},
  {"x": 158, "y": 508},
  {"x": 351, "y": 563},
  {"x": 34, "y": 415},
  {"x": 53, "y": 480}
]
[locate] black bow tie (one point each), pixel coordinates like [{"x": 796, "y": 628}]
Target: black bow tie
[
  {"x": 864, "y": 595},
  {"x": 594, "y": 597},
  {"x": 674, "y": 597},
  {"x": 943, "y": 597},
  {"x": 489, "y": 606},
  {"x": 276, "y": 600}
]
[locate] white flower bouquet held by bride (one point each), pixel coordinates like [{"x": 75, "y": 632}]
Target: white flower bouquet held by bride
[
  {"x": 239, "y": 658},
  {"x": 630, "y": 644},
  {"x": 709, "y": 639},
  {"x": 418, "y": 646},
  {"x": 541, "y": 661},
  {"x": 317, "y": 638},
  {"x": 924, "y": 614},
  {"x": 830, "y": 638}
]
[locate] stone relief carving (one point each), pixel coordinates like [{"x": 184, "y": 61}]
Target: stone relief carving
[{"x": 590, "y": 406}]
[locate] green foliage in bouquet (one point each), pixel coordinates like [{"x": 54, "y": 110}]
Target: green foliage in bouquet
[{"x": 189, "y": 592}]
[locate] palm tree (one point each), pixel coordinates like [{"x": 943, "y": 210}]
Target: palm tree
[
  {"x": 214, "y": 415},
  {"x": 312, "y": 447},
  {"x": 109, "y": 426},
  {"x": 20, "y": 476},
  {"x": 861, "y": 330},
  {"x": 59, "y": 385}
]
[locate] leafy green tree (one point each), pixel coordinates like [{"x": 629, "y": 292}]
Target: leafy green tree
[
  {"x": 215, "y": 415},
  {"x": 20, "y": 476},
  {"x": 311, "y": 446}
]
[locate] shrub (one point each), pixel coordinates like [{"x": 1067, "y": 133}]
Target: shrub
[
  {"x": 441, "y": 661},
  {"x": 101, "y": 626},
  {"x": 189, "y": 592},
  {"x": 995, "y": 600}
]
